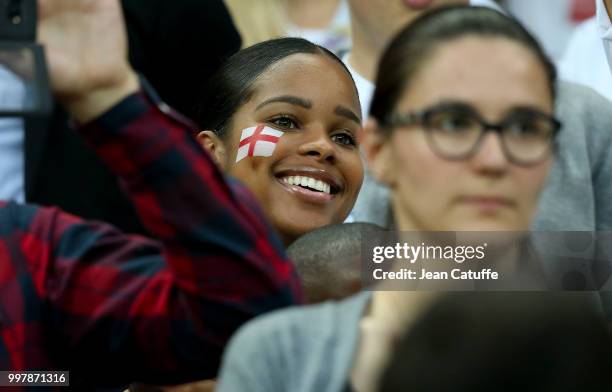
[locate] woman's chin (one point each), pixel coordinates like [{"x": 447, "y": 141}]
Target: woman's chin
[
  {"x": 299, "y": 224},
  {"x": 470, "y": 219},
  {"x": 488, "y": 225}
]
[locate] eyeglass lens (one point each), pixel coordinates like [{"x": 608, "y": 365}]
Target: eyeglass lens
[{"x": 455, "y": 133}]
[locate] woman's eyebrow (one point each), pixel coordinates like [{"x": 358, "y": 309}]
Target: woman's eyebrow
[
  {"x": 293, "y": 100},
  {"x": 454, "y": 104},
  {"x": 348, "y": 113},
  {"x": 527, "y": 109}
]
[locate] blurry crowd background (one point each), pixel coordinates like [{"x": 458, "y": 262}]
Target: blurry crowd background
[
  {"x": 567, "y": 29},
  {"x": 327, "y": 22}
]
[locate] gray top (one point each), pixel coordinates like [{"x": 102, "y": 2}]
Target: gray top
[
  {"x": 578, "y": 196},
  {"x": 304, "y": 349}
]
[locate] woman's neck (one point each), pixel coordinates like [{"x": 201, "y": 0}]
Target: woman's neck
[
  {"x": 400, "y": 309},
  {"x": 365, "y": 52},
  {"x": 312, "y": 14}
]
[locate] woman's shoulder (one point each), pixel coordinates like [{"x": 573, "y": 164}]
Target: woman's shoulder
[
  {"x": 283, "y": 350},
  {"x": 305, "y": 322},
  {"x": 301, "y": 332}
]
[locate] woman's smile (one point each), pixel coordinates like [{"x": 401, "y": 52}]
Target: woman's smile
[{"x": 310, "y": 184}]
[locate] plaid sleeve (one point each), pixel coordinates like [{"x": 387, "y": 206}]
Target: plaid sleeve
[{"x": 163, "y": 311}]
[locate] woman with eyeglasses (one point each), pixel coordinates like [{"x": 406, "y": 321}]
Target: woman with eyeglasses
[
  {"x": 463, "y": 138},
  {"x": 462, "y": 131}
]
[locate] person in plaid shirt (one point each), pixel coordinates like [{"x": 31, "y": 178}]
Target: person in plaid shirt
[{"x": 115, "y": 308}]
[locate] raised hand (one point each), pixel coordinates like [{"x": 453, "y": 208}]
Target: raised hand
[{"x": 86, "y": 50}]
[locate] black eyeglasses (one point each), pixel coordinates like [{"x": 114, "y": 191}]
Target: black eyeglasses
[{"x": 455, "y": 131}]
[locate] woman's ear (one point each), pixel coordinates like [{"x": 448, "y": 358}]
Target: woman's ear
[
  {"x": 212, "y": 144},
  {"x": 376, "y": 148}
]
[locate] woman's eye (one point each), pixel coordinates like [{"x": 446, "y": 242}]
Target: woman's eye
[
  {"x": 344, "y": 139},
  {"x": 522, "y": 128},
  {"x": 529, "y": 130},
  {"x": 284, "y": 122},
  {"x": 455, "y": 123}
]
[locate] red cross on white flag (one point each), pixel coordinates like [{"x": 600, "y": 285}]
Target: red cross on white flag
[{"x": 259, "y": 141}]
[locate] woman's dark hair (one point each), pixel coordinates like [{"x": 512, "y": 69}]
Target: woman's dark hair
[
  {"x": 413, "y": 46},
  {"x": 232, "y": 85}
]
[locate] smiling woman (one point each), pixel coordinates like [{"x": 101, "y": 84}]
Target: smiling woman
[{"x": 283, "y": 117}]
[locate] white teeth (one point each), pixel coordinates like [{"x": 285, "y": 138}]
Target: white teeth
[
  {"x": 308, "y": 182},
  {"x": 320, "y": 186},
  {"x": 312, "y": 183}
]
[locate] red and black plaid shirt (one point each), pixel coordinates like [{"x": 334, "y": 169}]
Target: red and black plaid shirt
[{"x": 115, "y": 308}]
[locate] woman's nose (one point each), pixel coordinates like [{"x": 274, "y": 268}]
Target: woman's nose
[
  {"x": 491, "y": 157},
  {"x": 319, "y": 145}
]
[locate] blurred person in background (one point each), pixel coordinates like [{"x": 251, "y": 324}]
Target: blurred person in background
[
  {"x": 323, "y": 22},
  {"x": 373, "y": 25},
  {"x": 588, "y": 55},
  {"x": 552, "y": 23},
  {"x": 258, "y": 21},
  {"x": 428, "y": 139}
]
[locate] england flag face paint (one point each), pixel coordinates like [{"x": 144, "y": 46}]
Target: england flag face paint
[{"x": 258, "y": 141}]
